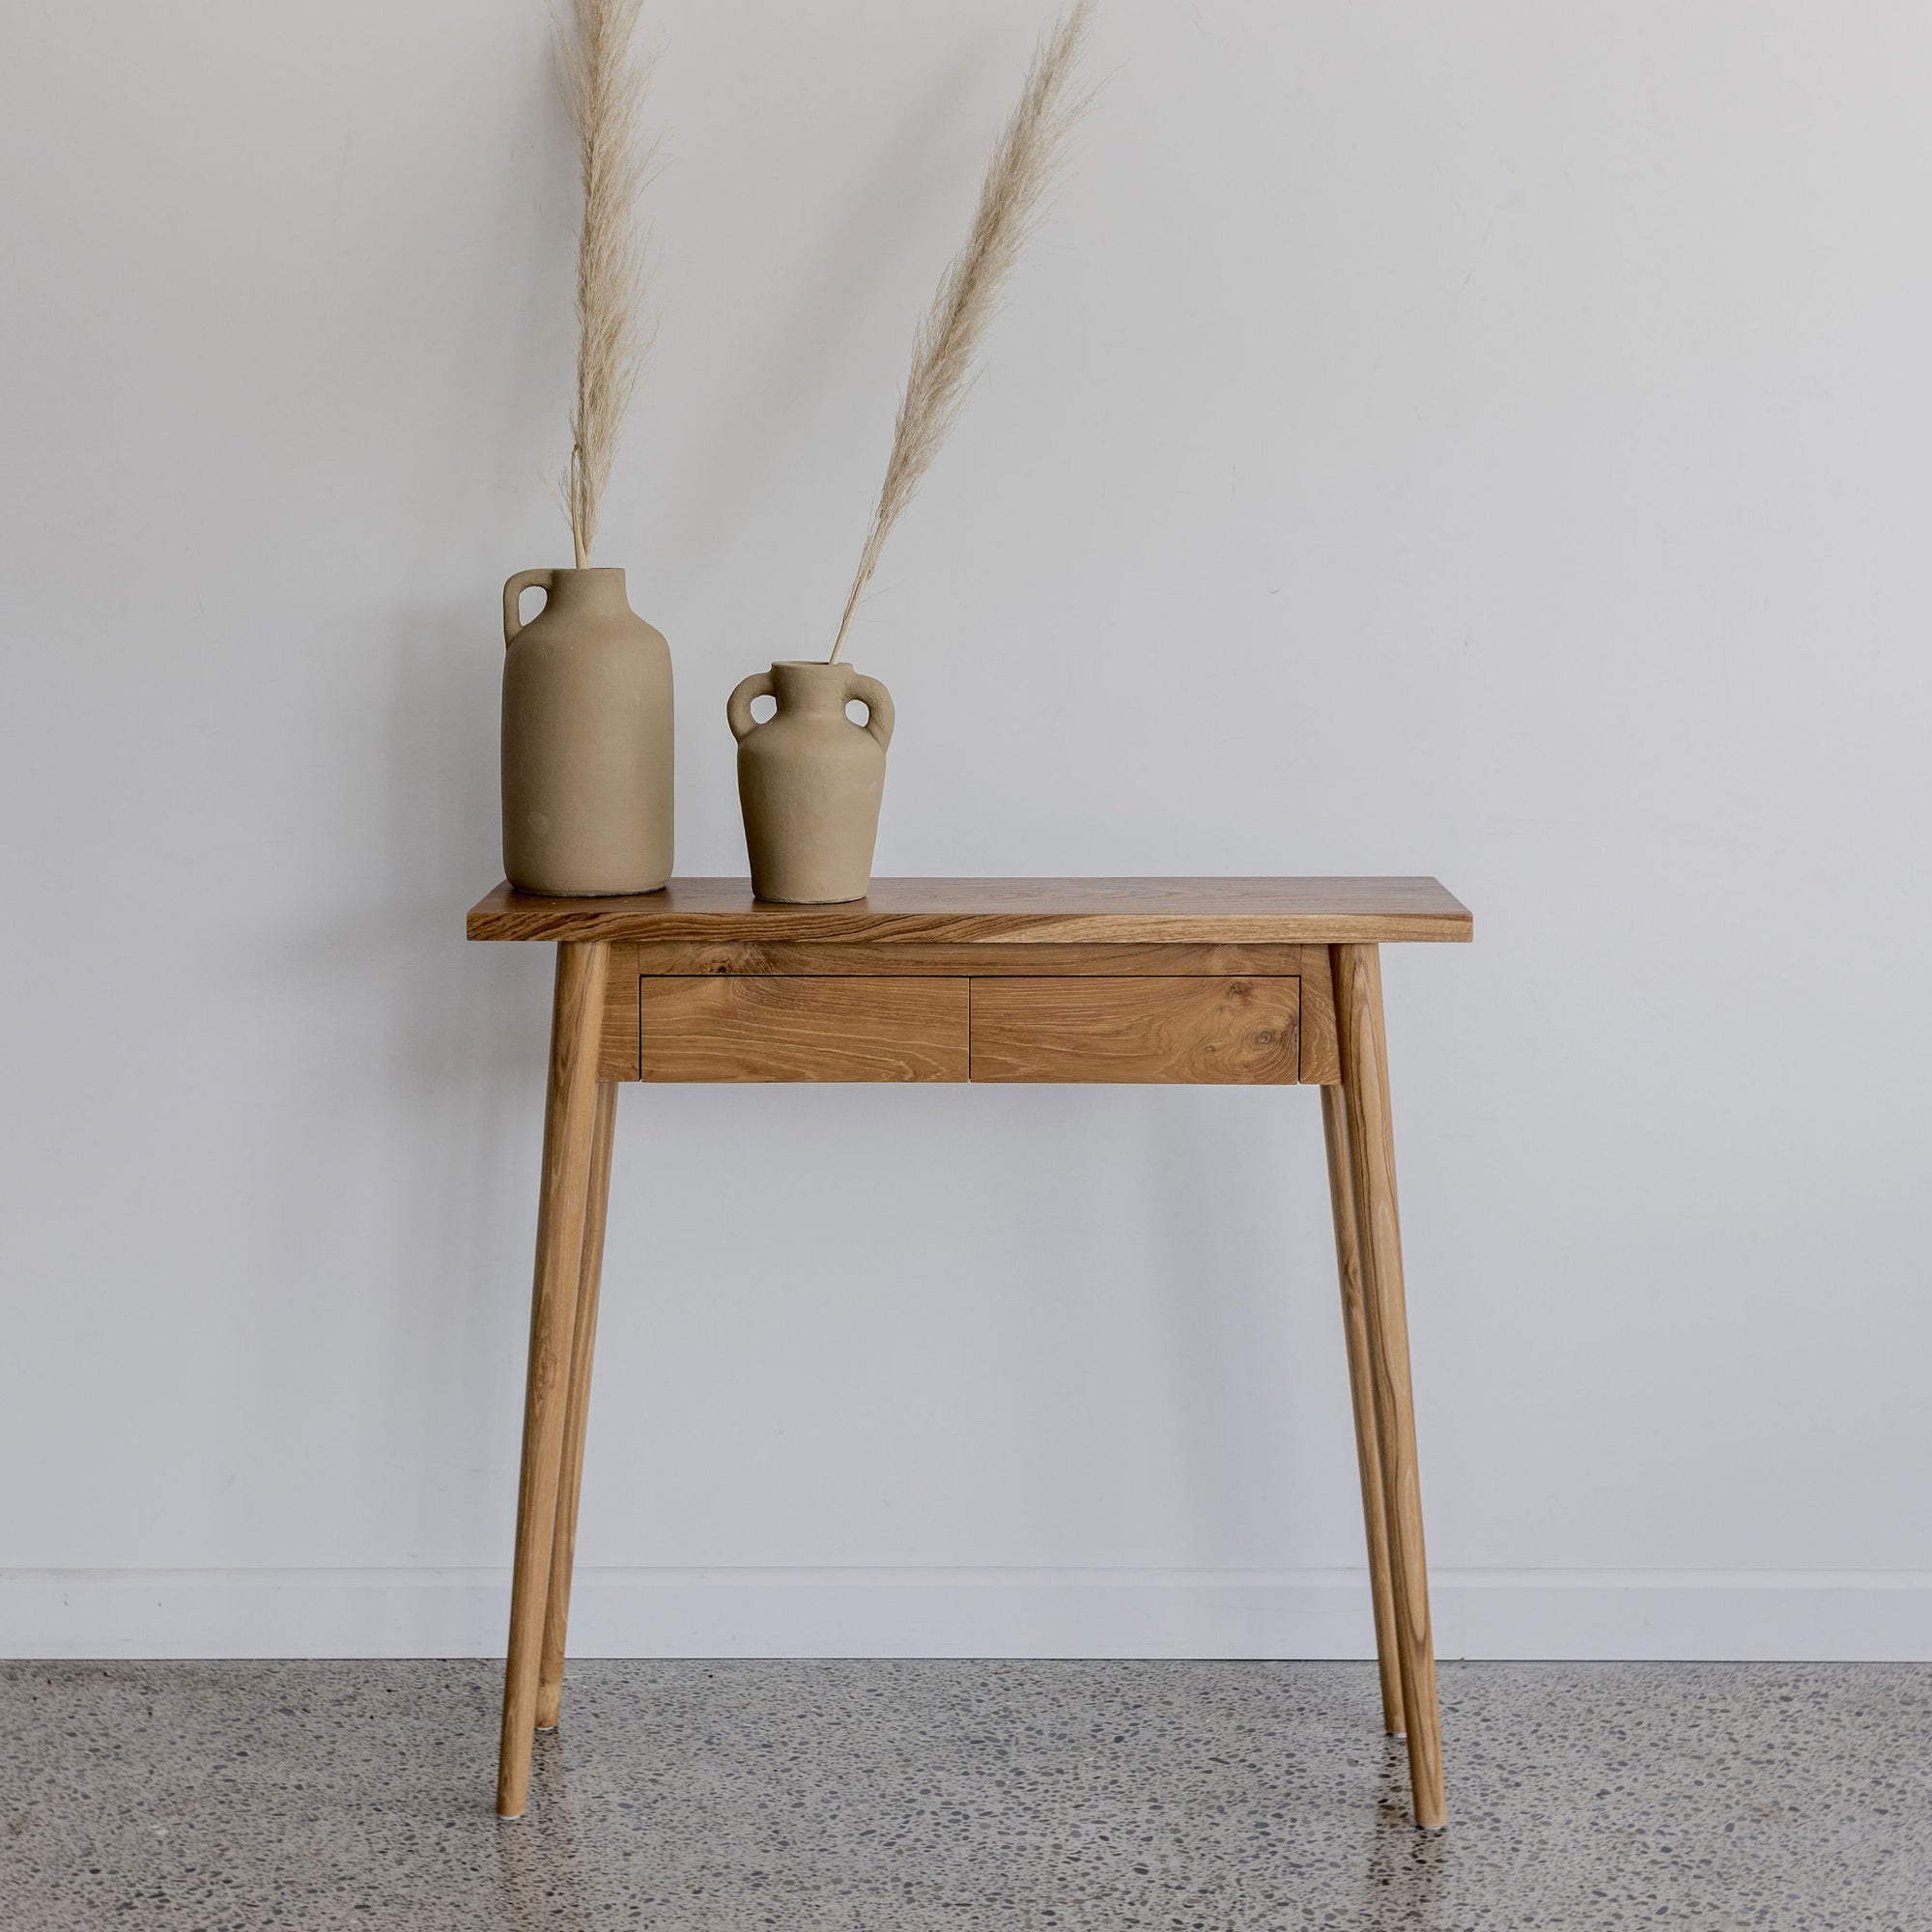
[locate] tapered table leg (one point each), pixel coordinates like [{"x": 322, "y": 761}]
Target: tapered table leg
[
  {"x": 1358, "y": 1015},
  {"x": 576, "y": 1411},
  {"x": 1362, "y": 1395},
  {"x": 583, "y": 969}
]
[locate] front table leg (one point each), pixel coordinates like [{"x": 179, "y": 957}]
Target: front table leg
[
  {"x": 569, "y": 1115},
  {"x": 1358, "y": 1015}
]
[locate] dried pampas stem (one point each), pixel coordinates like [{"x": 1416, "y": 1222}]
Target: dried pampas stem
[
  {"x": 948, "y": 344},
  {"x": 605, "y": 85}
]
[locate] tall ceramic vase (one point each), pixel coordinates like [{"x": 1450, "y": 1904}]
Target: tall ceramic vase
[
  {"x": 810, "y": 781},
  {"x": 586, "y": 739}
]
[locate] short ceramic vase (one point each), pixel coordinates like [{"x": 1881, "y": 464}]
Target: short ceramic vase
[
  {"x": 810, "y": 781},
  {"x": 586, "y": 739}
]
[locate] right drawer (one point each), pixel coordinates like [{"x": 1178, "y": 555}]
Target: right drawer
[{"x": 1231, "y": 1032}]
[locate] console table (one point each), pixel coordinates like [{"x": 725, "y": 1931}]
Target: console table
[{"x": 1227, "y": 981}]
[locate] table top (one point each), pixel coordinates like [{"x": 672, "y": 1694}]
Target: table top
[{"x": 1017, "y": 912}]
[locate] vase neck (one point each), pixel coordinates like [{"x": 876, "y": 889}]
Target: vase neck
[
  {"x": 596, "y": 591},
  {"x": 811, "y": 687}
]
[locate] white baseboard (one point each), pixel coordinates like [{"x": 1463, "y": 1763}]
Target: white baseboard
[{"x": 1842, "y": 1616}]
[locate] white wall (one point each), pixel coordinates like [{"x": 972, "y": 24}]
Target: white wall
[{"x": 1485, "y": 440}]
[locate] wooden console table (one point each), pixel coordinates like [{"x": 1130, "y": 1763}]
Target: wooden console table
[{"x": 1232, "y": 982}]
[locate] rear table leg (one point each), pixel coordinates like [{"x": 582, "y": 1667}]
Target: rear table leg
[
  {"x": 570, "y": 1479},
  {"x": 1362, "y": 1394},
  {"x": 1358, "y": 1013}
]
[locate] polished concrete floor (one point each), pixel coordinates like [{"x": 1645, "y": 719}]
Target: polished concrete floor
[{"x": 895, "y": 1796}]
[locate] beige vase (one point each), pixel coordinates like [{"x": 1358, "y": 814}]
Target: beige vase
[
  {"x": 586, "y": 739},
  {"x": 810, "y": 781}
]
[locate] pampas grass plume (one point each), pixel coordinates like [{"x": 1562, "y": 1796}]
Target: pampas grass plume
[{"x": 606, "y": 84}]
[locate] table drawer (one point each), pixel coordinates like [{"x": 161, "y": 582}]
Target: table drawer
[
  {"x": 1225, "y": 1032},
  {"x": 730, "y": 1027}
]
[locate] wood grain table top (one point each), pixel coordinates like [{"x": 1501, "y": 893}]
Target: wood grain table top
[{"x": 1011, "y": 912}]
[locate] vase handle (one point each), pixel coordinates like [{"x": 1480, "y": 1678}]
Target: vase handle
[
  {"x": 738, "y": 706},
  {"x": 513, "y": 599},
  {"x": 878, "y": 703}
]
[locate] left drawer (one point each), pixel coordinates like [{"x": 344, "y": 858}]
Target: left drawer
[{"x": 749, "y": 1027}]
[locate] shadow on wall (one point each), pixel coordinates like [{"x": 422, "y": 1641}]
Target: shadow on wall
[
  {"x": 469, "y": 1048},
  {"x": 864, "y": 244},
  {"x": 417, "y": 1094}
]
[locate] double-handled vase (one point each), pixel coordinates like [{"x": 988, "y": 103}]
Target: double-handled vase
[
  {"x": 586, "y": 739},
  {"x": 810, "y": 781}
]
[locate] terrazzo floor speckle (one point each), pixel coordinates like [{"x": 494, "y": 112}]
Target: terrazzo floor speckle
[{"x": 895, "y": 1796}]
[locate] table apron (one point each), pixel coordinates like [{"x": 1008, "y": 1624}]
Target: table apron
[{"x": 1225, "y": 1015}]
